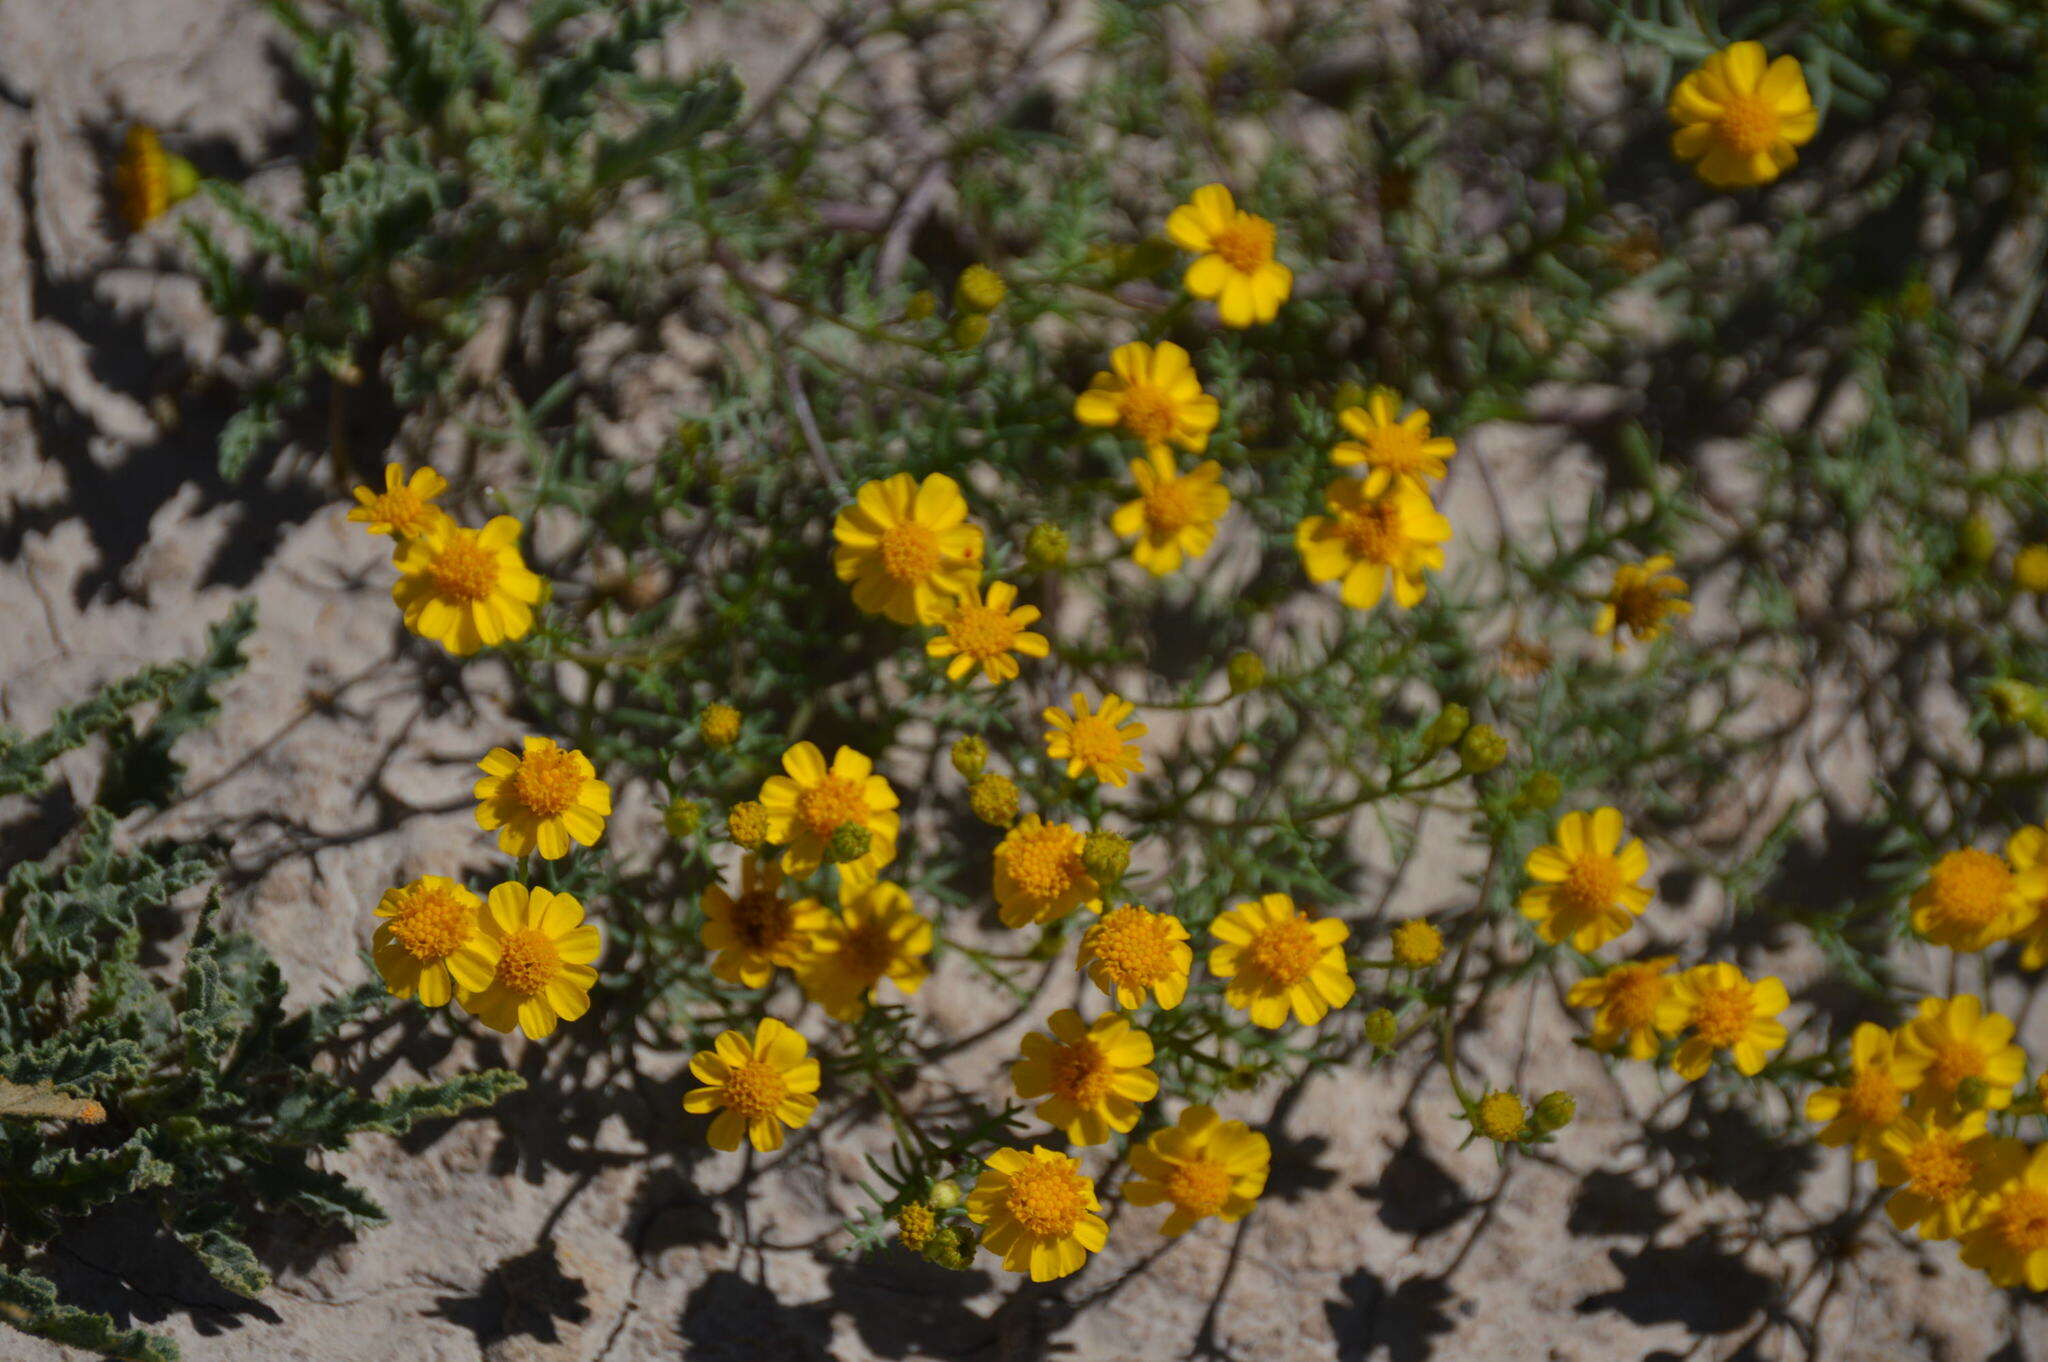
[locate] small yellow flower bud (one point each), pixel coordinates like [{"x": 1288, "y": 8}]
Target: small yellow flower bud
[
  {"x": 1481, "y": 749},
  {"x": 1247, "y": 671},
  {"x": 1447, "y": 727},
  {"x": 747, "y": 824},
  {"x": 1417, "y": 944},
  {"x": 1380, "y": 1028},
  {"x": 719, "y": 725},
  {"x": 1045, "y": 548},
  {"x": 1500, "y": 1117},
  {"x": 682, "y": 817},
  {"x": 1538, "y": 792},
  {"x": 915, "y": 1225},
  {"x": 993, "y": 798},
  {"x": 979, "y": 289},
  {"x": 848, "y": 842},
  {"x": 1554, "y": 1111},
  {"x": 920, "y": 305},
  {"x": 970, "y": 755},
  {"x": 945, "y": 1194},
  {"x": 1105, "y": 856},
  {"x": 970, "y": 329},
  {"x": 2030, "y": 569}
]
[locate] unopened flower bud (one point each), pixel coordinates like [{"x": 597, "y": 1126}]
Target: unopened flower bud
[
  {"x": 1447, "y": 727},
  {"x": 1554, "y": 1111},
  {"x": 1380, "y": 1028},
  {"x": 1247, "y": 671},
  {"x": 719, "y": 725},
  {"x": 1541, "y": 790},
  {"x": 1500, "y": 1117},
  {"x": 970, "y": 329},
  {"x": 848, "y": 842},
  {"x": 2030, "y": 569},
  {"x": 979, "y": 289},
  {"x": 970, "y": 755},
  {"x": 1105, "y": 856},
  {"x": 1045, "y": 548},
  {"x": 1481, "y": 749},
  {"x": 951, "y": 1247},
  {"x": 747, "y": 824},
  {"x": 1975, "y": 541},
  {"x": 682, "y": 817},
  {"x": 920, "y": 305},
  {"x": 915, "y": 1225},
  {"x": 993, "y": 797},
  {"x": 944, "y": 1195},
  {"x": 1417, "y": 944}
]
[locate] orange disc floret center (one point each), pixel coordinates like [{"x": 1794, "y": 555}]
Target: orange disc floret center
[
  {"x": 1372, "y": 533},
  {"x": 401, "y": 508},
  {"x": 1246, "y": 243},
  {"x": 755, "y": 1089},
  {"x": 910, "y": 552},
  {"x": 547, "y": 781},
  {"x": 1047, "y": 1198},
  {"x": 529, "y": 963},
  {"x": 1170, "y": 508},
  {"x": 1969, "y": 887},
  {"x": 465, "y": 570},
  {"x": 1591, "y": 884},
  {"x": 1954, "y": 1061},
  {"x": 866, "y": 951},
  {"x": 1286, "y": 951},
  {"x": 1638, "y": 605},
  {"x": 434, "y": 925},
  {"x": 1199, "y": 1187},
  {"x": 1747, "y": 125},
  {"x": 1395, "y": 447},
  {"x": 2021, "y": 1220},
  {"x": 1149, "y": 412},
  {"x": 1722, "y": 1015},
  {"x": 1081, "y": 1073},
  {"x": 1635, "y": 991},
  {"x": 1501, "y": 1116},
  {"x": 1094, "y": 739},
  {"x": 1045, "y": 862},
  {"x": 1134, "y": 946},
  {"x": 1872, "y": 1098},
  {"x": 830, "y": 804},
  {"x": 761, "y": 921},
  {"x": 1939, "y": 1169},
  {"x": 982, "y": 632}
]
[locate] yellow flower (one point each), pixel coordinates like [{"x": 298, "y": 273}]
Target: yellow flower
[
  {"x": 1500, "y": 1117},
  {"x": 811, "y": 803},
  {"x": 876, "y": 935},
  {"x": 1091, "y": 1077},
  {"x": 1154, "y": 394},
  {"x": 1586, "y": 890},
  {"x": 1278, "y": 959},
  {"x": 1101, "y": 743},
  {"x": 1201, "y": 1166},
  {"x": 1038, "y": 1210},
  {"x": 1039, "y": 875},
  {"x": 1942, "y": 1168},
  {"x": 2030, "y": 569},
  {"x": 1384, "y": 440},
  {"x": 761, "y": 930},
  {"x": 541, "y": 798},
  {"x": 405, "y": 508},
  {"x": 2010, "y": 1241},
  {"x": 1740, "y": 119},
  {"x": 1972, "y": 898},
  {"x": 2027, "y": 851},
  {"x": 1725, "y": 1012},
  {"x": 466, "y": 589},
  {"x": 1627, "y": 997},
  {"x": 1174, "y": 517},
  {"x": 1416, "y": 944},
  {"x": 426, "y": 924},
  {"x": 1130, "y": 951},
  {"x": 532, "y": 956},
  {"x": 907, "y": 547},
  {"x": 1379, "y": 529},
  {"x": 984, "y": 633},
  {"x": 1957, "y": 1040},
  {"x": 1875, "y": 1095},
  {"x": 756, "y": 1086},
  {"x": 1642, "y": 596},
  {"x": 719, "y": 725},
  {"x": 148, "y": 180},
  {"x": 1235, "y": 263}
]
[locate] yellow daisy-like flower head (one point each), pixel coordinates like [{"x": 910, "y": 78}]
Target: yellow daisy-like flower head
[
  {"x": 1586, "y": 888},
  {"x": 2027, "y": 852},
  {"x": 907, "y": 547},
  {"x": 148, "y": 180},
  {"x": 1278, "y": 960},
  {"x": 986, "y": 633},
  {"x": 1640, "y": 599},
  {"x": 1039, "y": 874},
  {"x": 1740, "y": 116},
  {"x": 1378, "y": 530},
  {"x": 1972, "y": 898},
  {"x": 1100, "y": 743},
  {"x": 1174, "y": 517},
  {"x": 2010, "y": 1241},
  {"x": 405, "y": 509},
  {"x": 1724, "y": 1011},
  {"x": 1154, "y": 394},
  {"x": 1130, "y": 951},
  {"x": 1627, "y": 998},
  {"x": 1874, "y": 1098},
  {"x": 1385, "y": 441},
  {"x": 466, "y": 589},
  {"x": 1234, "y": 263},
  {"x": 876, "y": 935},
  {"x": 1038, "y": 1210},
  {"x": 1958, "y": 1040},
  {"x": 426, "y": 924},
  {"x": 1201, "y": 1166},
  {"x": 1942, "y": 1166},
  {"x": 529, "y": 965},
  {"x": 810, "y": 803},
  {"x": 1092, "y": 1078},
  {"x": 759, "y": 930},
  {"x": 758, "y": 1087},
  {"x": 541, "y": 798}
]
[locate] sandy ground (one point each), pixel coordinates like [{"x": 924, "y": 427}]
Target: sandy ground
[{"x": 586, "y": 1224}]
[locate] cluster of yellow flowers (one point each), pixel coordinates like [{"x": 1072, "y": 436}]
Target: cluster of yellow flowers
[{"x": 462, "y": 588}]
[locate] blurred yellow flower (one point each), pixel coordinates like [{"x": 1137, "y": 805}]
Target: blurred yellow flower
[
  {"x": 1586, "y": 890},
  {"x": 1378, "y": 530},
  {"x": 1174, "y": 517},
  {"x": 405, "y": 508},
  {"x": 985, "y": 633},
  {"x": 1154, "y": 394},
  {"x": 466, "y": 589},
  {"x": 148, "y": 180},
  {"x": 907, "y": 547},
  {"x": 541, "y": 798},
  {"x": 1724, "y": 1011},
  {"x": 1958, "y": 1040},
  {"x": 2010, "y": 1241},
  {"x": 1642, "y": 597},
  {"x": 1385, "y": 441},
  {"x": 1627, "y": 997},
  {"x": 1201, "y": 1166},
  {"x": 756, "y": 1086},
  {"x": 1874, "y": 1097},
  {"x": 1278, "y": 960},
  {"x": 1092, "y": 1077},
  {"x": 1972, "y": 898},
  {"x": 1234, "y": 263},
  {"x": 1739, "y": 118},
  {"x": 759, "y": 930},
  {"x": 1942, "y": 1168},
  {"x": 1100, "y": 743},
  {"x": 876, "y": 935}
]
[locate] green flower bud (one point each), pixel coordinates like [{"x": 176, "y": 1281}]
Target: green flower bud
[
  {"x": 1447, "y": 727},
  {"x": 1554, "y": 1111},
  {"x": 719, "y": 725},
  {"x": 970, "y": 329},
  {"x": 1539, "y": 791},
  {"x": 1481, "y": 749},
  {"x": 1105, "y": 856},
  {"x": 1976, "y": 542},
  {"x": 848, "y": 842},
  {"x": 979, "y": 289},
  {"x": 682, "y": 817},
  {"x": 2013, "y": 702},
  {"x": 1247, "y": 671},
  {"x": 970, "y": 754},
  {"x": 1380, "y": 1028},
  {"x": 951, "y": 1247},
  {"x": 944, "y": 1195},
  {"x": 993, "y": 798},
  {"x": 1500, "y": 1117},
  {"x": 920, "y": 305},
  {"x": 1045, "y": 548}
]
